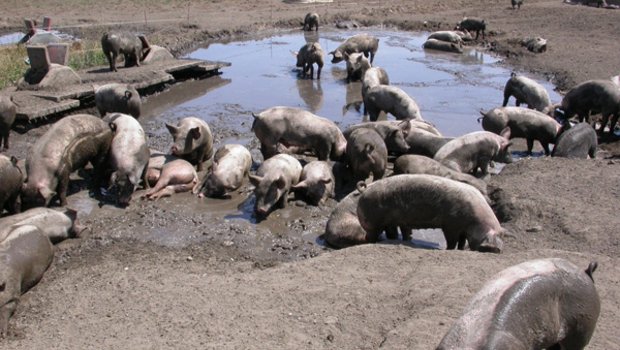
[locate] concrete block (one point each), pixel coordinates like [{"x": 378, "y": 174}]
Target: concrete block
[
  {"x": 38, "y": 56},
  {"x": 58, "y": 53}
]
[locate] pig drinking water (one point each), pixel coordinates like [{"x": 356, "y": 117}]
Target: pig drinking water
[
  {"x": 308, "y": 55},
  {"x": 316, "y": 182},
  {"x": 192, "y": 141},
  {"x": 428, "y": 201},
  {"x": 579, "y": 141},
  {"x": 8, "y": 110},
  {"x": 364, "y": 43},
  {"x": 231, "y": 164},
  {"x": 11, "y": 179},
  {"x": 366, "y": 154},
  {"x": 390, "y": 99},
  {"x": 538, "y": 304},
  {"x": 176, "y": 176},
  {"x": 128, "y": 45},
  {"x": 528, "y": 91},
  {"x": 273, "y": 181},
  {"x": 55, "y": 224},
  {"x": 119, "y": 98}
]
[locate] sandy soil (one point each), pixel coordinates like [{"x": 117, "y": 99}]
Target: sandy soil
[{"x": 175, "y": 274}]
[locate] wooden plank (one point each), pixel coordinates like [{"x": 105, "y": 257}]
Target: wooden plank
[{"x": 40, "y": 107}]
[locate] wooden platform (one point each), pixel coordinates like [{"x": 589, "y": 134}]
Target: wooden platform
[{"x": 39, "y": 104}]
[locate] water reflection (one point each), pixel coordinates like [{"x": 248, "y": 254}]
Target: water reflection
[{"x": 311, "y": 92}]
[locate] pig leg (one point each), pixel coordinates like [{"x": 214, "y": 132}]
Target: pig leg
[
  {"x": 268, "y": 150},
  {"x": 63, "y": 187},
  {"x": 312, "y": 71},
  {"x": 283, "y": 200},
  {"x": 373, "y": 113},
  {"x": 318, "y": 74},
  {"x": 391, "y": 232},
  {"x": 462, "y": 241},
  {"x": 545, "y": 146},
  {"x": 170, "y": 190},
  {"x": 530, "y": 145},
  {"x": 5, "y": 137}
]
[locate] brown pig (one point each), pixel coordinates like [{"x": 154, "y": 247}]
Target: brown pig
[
  {"x": 231, "y": 164},
  {"x": 393, "y": 134},
  {"x": 579, "y": 141},
  {"x": 343, "y": 228},
  {"x": 364, "y": 43},
  {"x": 308, "y": 55},
  {"x": 273, "y": 181},
  {"x": 11, "y": 179},
  {"x": 8, "y": 110},
  {"x": 316, "y": 182},
  {"x": 192, "y": 141},
  {"x": 366, "y": 154}
]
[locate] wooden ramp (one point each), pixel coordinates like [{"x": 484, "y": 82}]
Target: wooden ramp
[{"x": 40, "y": 104}]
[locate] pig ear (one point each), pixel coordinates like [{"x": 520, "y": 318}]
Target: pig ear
[
  {"x": 326, "y": 181},
  {"x": 280, "y": 182},
  {"x": 128, "y": 94},
  {"x": 359, "y": 58},
  {"x": 505, "y": 133},
  {"x": 195, "y": 133},
  {"x": 332, "y": 53},
  {"x": 255, "y": 179},
  {"x": 294, "y": 53},
  {"x": 173, "y": 129},
  {"x": 13, "y": 160}
]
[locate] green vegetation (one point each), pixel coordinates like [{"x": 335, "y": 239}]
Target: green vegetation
[{"x": 86, "y": 56}]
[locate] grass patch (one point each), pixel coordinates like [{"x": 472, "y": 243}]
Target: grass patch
[{"x": 87, "y": 54}]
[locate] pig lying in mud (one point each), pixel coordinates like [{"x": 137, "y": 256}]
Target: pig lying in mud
[
  {"x": 8, "y": 110},
  {"x": 474, "y": 151},
  {"x": 579, "y": 141},
  {"x": 523, "y": 123},
  {"x": 128, "y": 45},
  {"x": 343, "y": 228},
  {"x": 118, "y": 98},
  {"x": 593, "y": 96},
  {"x": 311, "y": 20},
  {"x": 366, "y": 154},
  {"x": 10, "y": 184},
  {"x": 528, "y": 91},
  {"x": 231, "y": 164},
  {"x": 273, "y": 181},
  {"x": 55, "y": 224},
  {"x": 25, "y": 255},
  {"x": 176, "y": 176},
  {"x": 393, "y": 134},
  {"x": 440, "y": 45},
  {"x": 428, "y": 201},
  {"x": 416, "y": 164},
  {"x": 316, "y": 183},
  {"x": 538, "y": 304},
  {"x": 297, "y": 129},
  {"x": 307, "y": 56},
  {"x": 472, "y": 25},
  {"x": 450, "y": 36},
  {"x": 128, "y": 157},
  {"x": 364, "y": 43},
  {"x": 390, "y": 99},
  {"x": 192, "y": 141},
  {"x": 67, "y": 146}
]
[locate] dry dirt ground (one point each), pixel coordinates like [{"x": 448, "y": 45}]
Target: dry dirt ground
[{"x": 128, "y": 283}]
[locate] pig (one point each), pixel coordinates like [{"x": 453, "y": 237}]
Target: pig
[
  {"x": 472, "y": 25},
  {"x": 393, "y": 134},
  {"x": 536, "y": 45},
  {"x": 579, "y": 141},
  {"x": 128, "y": 157},
  {"x": 296, "y": 127},
  {"x": 364, "y": 43},
  {"x": 192, "y": 141},
  {"x": 390, "y": 99},
  {"x": 316, "y": 183},
  {"x": 8, "y": 110},
  {"x": 176, "y": 176},
  {"x": 516, "y": 3},
  {"x": 537, "y": 304},
  {"x": 118, "y": 98},
  {"x": 67, "y": 146},
  {"x": 308, "y": 55},
  {"x": 523, "y": 123},
  {"x": 11, "y": 184},
  {"x": 25, "y": 255},
  {"x": 130, "y": 46},
  {"x": 425, "y": 143},
  {"x": 343, "y": 228},
  {"x": 428, "y": 201},
  {"x": 273, "y": 181},
  {"x": 450, "y": 36},
  {"x": 311, "y": 20},
  {"x": 157, "y": 160},
  {"x": 526, "y": 90},
  {"x": 357, "y": 65},
  {"x": 231, "y": 164},
  {"x": 366, "y": 154},
  {"x": 599, "y": 96},
  {"x": 440, "y": 45},
  {"x": 372, "y": 77},
  {"x": 475, "y": 150},
  {"x": 416, "y": 125},
  {"x": 56, "y": 224},
  {"x": 417, "y": 164}
]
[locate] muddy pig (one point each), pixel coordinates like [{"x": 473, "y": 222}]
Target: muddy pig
[
  {"x": 192, "y": 141},
  {"x": 296, "y": 127},
  {"x": 343, "y": 228},
  {"x": 311, "y": 20},
  {"x": 11, "y": 184},
  {"x": 472, "y": 25},
  {"x": 390, "y": 99},
  {"x": 393, "y": 134},
  {"x": 425, "y": 143},
  {"x": 8, "y": 110},
  {"x": 130, "y": 46},
  {"x": 596, "y": 96},
  {"x": 416, "y": 164},
  {"x": 528, "y": 91},
  {"x": 316, "y": 183},
  {"x": 273, "y": 181},
  {"x": 25, "y": 255},
  {"x": 475, "y": 150},
  {"x": 119, "y": 98},
  {"x": 447, "y": 35},
  {"x": 128, "y": 157},
  {"x": 176, "y": 176},
  {"x": 579, "y": 141},
  {"x": 523, "y": 123},
  {"x": 538, "y": 304},
  {"x": 440, "y": 45},
  {"x": 307, "y": 56},
  {"x": 364, "y": 43},
  {"x": 372, "y": 77},
  {"x": 56, "y": 224},
  {"x": 357, "y": 65},
  {"x": 366, "y": 154},
  {"x": 67, "y": 146},
  {"x": 231, "y": 164},
  {"x": 428, "y": 201}
]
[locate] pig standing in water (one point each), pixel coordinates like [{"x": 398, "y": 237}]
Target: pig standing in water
[
  {"x": 538, "y": 304},
  {"x": 231, "y": 164},
  {"x": 524, "y": 123},
  {"x": 192, "y": 141},
  {"x": 390, "y": 99},
  {"x": 474, "y": 151},
  {"x": 428, "y": 201},
  {"x": 528, "y": 91},
  {"x": 364, "y": 43},
  {"x": 307, "y": 56},
  {"x": 8, "y": 110},
  {"x": 343, "y": 228},
  {"x": 67, "y": 146},
  {"x": 118, "y": 98},
  {"x": 579, "y": 141},
  {"x": 357, "y": 65},
  {"x": 273, "y": 181},
  {"x": 10, "y": 185},
  {"x": 366, "y": 154},
  {"x": 56, "y": 224},
  {"x": 25, "y": 255},
  {"x": 298, "y": 128},
  {"x": 316, "y": 182},
  {"x": 311, "y": 20},
  {"x": 176, "y": 176}
]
